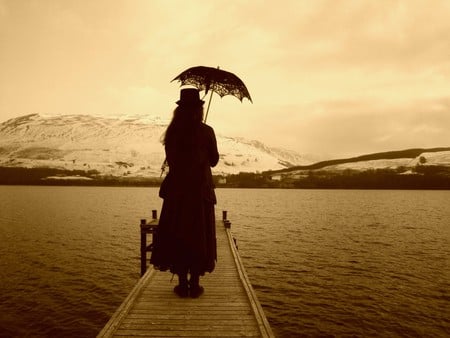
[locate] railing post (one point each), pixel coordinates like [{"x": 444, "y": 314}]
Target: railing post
[
  {"x": 226, "y": 222},
  {"x": 143, "y": 247}
]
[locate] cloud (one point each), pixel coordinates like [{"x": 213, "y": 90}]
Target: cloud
[
  {"x": 357, "y": 48},
  {"x": 3, "y": 9},
  {"x": 325, "y": 76},
  {"x": 349, "y": 128}
]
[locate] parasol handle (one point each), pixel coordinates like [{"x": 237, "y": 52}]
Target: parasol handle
[
  {"x": 207, "y": 109},
  {"x": 210, "y": 98}
]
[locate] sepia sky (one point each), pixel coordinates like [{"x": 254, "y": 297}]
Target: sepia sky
[{"x": 335, "y": 78}]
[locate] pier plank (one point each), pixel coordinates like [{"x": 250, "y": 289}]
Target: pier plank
[{"x": 228, "y": 308}]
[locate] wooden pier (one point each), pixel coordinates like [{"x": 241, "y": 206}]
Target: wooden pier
[{"x": 228, "y": 308}]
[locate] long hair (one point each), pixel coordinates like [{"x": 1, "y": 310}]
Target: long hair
[{"x": 182, "y": 129}]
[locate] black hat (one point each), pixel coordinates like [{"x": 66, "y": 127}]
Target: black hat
[{"x": 190, "y": 96}]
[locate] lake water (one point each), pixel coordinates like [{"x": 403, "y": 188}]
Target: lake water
[{"x": 322, "y": 262}]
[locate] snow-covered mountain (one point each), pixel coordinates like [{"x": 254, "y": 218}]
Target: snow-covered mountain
[
  {"x": 441, "y": 158},
  {"x": 401, "y": 161},
  {"x": 129, "y": 146}
]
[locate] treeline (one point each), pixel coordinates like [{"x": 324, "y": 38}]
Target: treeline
[
  {"x": 423, "y": 177},
  {"x": 12, "y": 175},
  {"x": 39, "y": 176}
]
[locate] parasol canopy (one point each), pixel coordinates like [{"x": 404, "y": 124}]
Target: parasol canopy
[{"x": 215, "y": 80}]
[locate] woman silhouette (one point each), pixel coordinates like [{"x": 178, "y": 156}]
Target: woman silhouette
[{"x": 185, "y": 242}]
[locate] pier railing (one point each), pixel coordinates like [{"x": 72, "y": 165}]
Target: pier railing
[{"x": 147, "y": 228}]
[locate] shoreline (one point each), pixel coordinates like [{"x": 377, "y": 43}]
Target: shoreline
[{"x": 367, "y": 180}]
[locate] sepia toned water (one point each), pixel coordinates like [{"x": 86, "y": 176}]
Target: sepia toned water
[{"x": 323, "y": 262}]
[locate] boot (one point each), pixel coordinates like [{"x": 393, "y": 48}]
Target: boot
[
  {"x": 195, "y": 290},
  {"x": 182, "y": 289}
]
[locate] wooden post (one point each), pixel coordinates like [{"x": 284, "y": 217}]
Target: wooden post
[
  {"x": 143, "y": 247},
  {"x": 226, "y": 222},
  {"x": 145, "y": 229}
]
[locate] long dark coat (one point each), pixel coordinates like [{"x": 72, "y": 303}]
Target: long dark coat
[{"x": 186, "y": 235}]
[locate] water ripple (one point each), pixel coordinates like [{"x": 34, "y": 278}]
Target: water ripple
[{"x": 323, "y": 263}]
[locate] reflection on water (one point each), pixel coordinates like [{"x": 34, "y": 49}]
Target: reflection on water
[{"x": 323, "y": 262}]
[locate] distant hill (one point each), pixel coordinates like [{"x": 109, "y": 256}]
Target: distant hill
[
  {"x": 418, "y": 168},
  {"x": 125, "y": 146},
  {"x": 90, "y": 150},
  {"x": 389, "y": 159}
]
